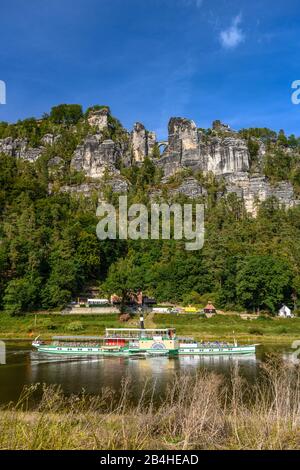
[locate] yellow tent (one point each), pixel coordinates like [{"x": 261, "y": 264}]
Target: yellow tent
[{"x": 190, "y": 309}]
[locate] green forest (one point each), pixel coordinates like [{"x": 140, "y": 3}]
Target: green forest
[{"x": 49, "y": 251}]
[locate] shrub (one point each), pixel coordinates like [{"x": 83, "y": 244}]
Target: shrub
[
  {"x": 75, "y": 326},
  {"x": 264, "y": 318},
  {"x": 124, "y": 317},
  {"x": 255, "y": 331},
  {"x": 66, "y": 114},
  {"x": 282, "y": 330}
]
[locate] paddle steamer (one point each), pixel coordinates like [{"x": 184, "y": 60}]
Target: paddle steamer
[{"x": 137, "y": 342}]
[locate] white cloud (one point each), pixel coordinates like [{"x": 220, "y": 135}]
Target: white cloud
[{"x": 232, "y": 36}]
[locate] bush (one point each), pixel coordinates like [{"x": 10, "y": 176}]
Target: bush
[
  {"x": 124, "y": 317},
  {"x": 264, "y": 318},
  {"x": 194, "y": 298},
  {"x": 21, "y": 295},
  {"x": 282, "y": 330},
  {"x": 66, "y": 113},
  {"x": 75, "y": 326},
  {"x": 255, "y": 331}
]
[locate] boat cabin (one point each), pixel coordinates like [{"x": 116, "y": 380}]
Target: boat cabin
[
  {"x": 137, "y": 333},
  {"x": 142, "y": 338}
]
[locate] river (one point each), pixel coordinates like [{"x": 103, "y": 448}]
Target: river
[{"x": 25, "y": 366}]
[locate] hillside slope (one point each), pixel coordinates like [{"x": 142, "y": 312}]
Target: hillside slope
[{"x": 54, "y": 171}]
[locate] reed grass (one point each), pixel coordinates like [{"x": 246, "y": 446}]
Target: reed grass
[{"x": 206, "y": 411}]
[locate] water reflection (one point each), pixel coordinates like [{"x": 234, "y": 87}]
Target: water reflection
[
  {"x": 25, "y": 367},
  {"x": 216, "y": 361}
]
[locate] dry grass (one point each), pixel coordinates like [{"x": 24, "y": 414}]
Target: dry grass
[{"x": 202, "y": 412}]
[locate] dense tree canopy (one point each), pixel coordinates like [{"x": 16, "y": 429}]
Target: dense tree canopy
[
  {"x": 49, "y": 250},
  {"x": 66, "y": 114}
]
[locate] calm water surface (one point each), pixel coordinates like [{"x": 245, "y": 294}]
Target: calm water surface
[{"x": 25, "y": 366}]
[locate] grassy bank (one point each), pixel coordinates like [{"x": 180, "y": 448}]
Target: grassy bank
[
  {"x": 48, "y": 325},
  {"x": 218, "y": 327},
  {"x": 203, "y": 412},
  {"x": 225, "y": 327}
]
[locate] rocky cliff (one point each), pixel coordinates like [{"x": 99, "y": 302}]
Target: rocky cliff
[
  {"x": 95, "y": 156},
  {"x": 189, "y": 147},
  {"x": 218, "y": 151},
  {"x": 142, "y": 142},
  {"x": 255, "y": 189},
  {"x": 19, "y": 148}
]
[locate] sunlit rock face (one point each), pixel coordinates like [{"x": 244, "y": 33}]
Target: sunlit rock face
[
  {"x": 85, "y": 189},
  {"x": 183, "y": 141},
  {"x": 94, "y": 157},
  {"x": 98, "y": 118},
  {"x": 49, "y": 139},
  {"x": 219, "y": 151},
  {"x": 256, "y": 189},
  {"x": 19, "y": 148},
  {"x": 142, "y": 142},
  {"x": 224, "y": 156},
  {"x": 118, "y": 185},
  {"x": 189, "y": 147},
  {"x": 190, "y": 188}
]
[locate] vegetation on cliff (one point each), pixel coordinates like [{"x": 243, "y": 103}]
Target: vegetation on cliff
[{"x": 49, "y": 249}]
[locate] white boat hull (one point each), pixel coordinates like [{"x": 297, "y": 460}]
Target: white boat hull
[{"x": 216, "y": 351}]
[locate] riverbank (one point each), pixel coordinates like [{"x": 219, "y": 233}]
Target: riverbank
[
  {"x": 203, "y": 412},
  {"x": 223, "y": 327}
]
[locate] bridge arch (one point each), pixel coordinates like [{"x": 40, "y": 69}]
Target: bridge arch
[{"x": 163, "y": 145}]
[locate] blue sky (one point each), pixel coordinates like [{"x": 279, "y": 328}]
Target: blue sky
[{"x": 153, "y": 59}]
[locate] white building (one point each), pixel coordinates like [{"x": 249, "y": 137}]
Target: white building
[{"x": 285, "y": 312}]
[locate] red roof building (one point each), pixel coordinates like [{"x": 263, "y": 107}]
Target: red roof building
[{"x": 210, "y": 308}]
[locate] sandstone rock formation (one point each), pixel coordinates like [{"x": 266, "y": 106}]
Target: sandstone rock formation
[
  {"x": 189, "y": 147},
  {"x": 190, "y": 187},
  {"x": 257, "y": 189},
  {"x": 142, "y": 142},
  {"x": 98, "y": 118},
  {"x": 217, "y": 125},
  {"x": 56, "y": 166},
  {"x": 223, "y": 156},
  {"x": 49, "y": 139},
  {"x": 220, "y": 151},
  {"x": 94, "y": 157},
  {"x": 19, "y": 148},
  {"x": 118, "y": 184},
  {"x": 85, "y": 189}
]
